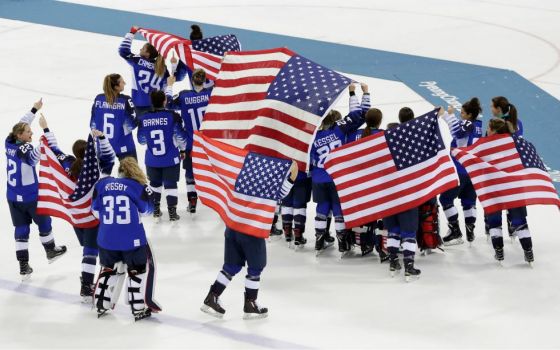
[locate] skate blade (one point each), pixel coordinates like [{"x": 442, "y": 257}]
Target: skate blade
[
  {"x": 157, "y": 220},
  {"x": 298, "y": 247},
  {"x": 343, "y": 255},
  {"x": 87, "y": 300},
  {"x": 251, "y": 316},
  {"x": 500, "y": 263},
  {"x": 453, "y": 242},
  {"x": 142, "y": 316},
  {"x": 26, "y": 277},
  {"x": 530, "y": 263},
  {"x": 410, "y": 278},
  {"x": 208, "y": 310},
  {"x": 55, "y": 258},
  {"x": 394, "y": 273},
  {"x": 101, "y": 313}
]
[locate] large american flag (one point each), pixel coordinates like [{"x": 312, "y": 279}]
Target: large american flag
[
  {"x": 59, "y": 196},
  {"x": 271, "y": 102},
  {"x": 507, "y": 172},
  {"x": 241, "y": 186},
  {"x": 205, "y": 53},
  {"x": 391, "y": 171}
]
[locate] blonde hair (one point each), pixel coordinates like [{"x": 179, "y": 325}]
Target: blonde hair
[
  {"x": 110, "y": 82},
  {"x": 160, "y": 67},
  {"x": 130, "y": 169},
  {"x": 18, "y": 129}
]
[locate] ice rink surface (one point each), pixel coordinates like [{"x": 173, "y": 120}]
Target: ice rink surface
[{"x": 463, "y": 298}]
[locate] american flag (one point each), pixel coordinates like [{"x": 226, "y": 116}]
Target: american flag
[
  {"x": 506, "y": 173},
  {"x": 205, "y": 53},
  {"x": 241, "y": 186},
  {"x": 270, "y": 102},
  {"x": 391, "y": 171},
  {"x": 59, "y": 196}
]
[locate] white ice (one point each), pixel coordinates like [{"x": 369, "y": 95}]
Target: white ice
[{"x": 463, "y": 299}]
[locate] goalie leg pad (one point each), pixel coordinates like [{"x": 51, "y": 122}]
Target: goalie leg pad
[{"x": 104, "y": 289}]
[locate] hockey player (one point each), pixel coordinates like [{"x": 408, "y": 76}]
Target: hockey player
[
  {"x": 73, "y": 167},
  {"x": 239, "y": 249},
  {"x": 294, "y": 207},
  {"x": 402, "y": 226},
  {"x": 517, "y": 216},
  {"x": 149, "y": 71},
  {"x": 119, "y": 203},
  {"x": 22, "y": 191},
  {"x": 113, "y": 114},
  {"x": 331, "y": 135},
  {"x": 192, "y": 104},
  {"x": 465, "y": 131},
  {"x": 161, "y": 130}
]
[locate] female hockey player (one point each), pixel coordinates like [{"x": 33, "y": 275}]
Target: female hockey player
[
  {"x": 119, "y": 203},
  {"x": 22, "y": 191},
  {"x": 161, "y": 130},
  {"x": 149, "y": 71},
  {"x": 517, "y": 216},
  {"x": 331, "y": 135},
  {"x": 192, "y": 104},
  {"x": 113, "y": 113},
  {"x": 465, "y": 131},
  {"x": 73, "y": 167},
  {"x": 239, "y": 249}
]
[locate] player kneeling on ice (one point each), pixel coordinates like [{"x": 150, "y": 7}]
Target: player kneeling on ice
[
  {"x": 119, "y": 202},
  {"x": 242, "y": 248}
]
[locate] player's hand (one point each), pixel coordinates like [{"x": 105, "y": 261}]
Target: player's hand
[
  {"x": 450, "y": 110},
  {"x": 43, "y": 122},
  {"x": 37, "y": 105},
  {"x": 293, "y": 171},
  {"x": 171, "y": 80},
  {"x": 365, "y": 88},
  {"x": 173, "y": 59},
  {"x": 352, "y": 87},
  {"x": 96, "y": 133},
  {"x": 134, "y": 29},
  {"x": 440, "y": 112}
]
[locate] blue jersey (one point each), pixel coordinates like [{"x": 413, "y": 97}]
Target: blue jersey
[
  {"x": 21, "y": 158},
  {"x": 105, "y": 155},
  {"x": 327, "y": 140},
  {"x": 355, "y": 105},
  {"x": 118, "y": 203},
  {"x": 144, "y": 78},
  {"x": 519, "y": 131},
  {"x": 162, "y": 131},
  {"x": 115, "y": 121},
  {"x": 464, "y": 132},
  {"x": 356, "y": 135},
  {"x": 192, "y": 105}
]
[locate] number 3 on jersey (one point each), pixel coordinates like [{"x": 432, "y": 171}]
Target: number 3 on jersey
[
  {"x": 116, "y": 208},
  {"x": 159, "y": 144},
  {"x": 324, "y": 152}
]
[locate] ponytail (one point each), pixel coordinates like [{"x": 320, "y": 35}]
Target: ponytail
[
  {"x": 501, "y": 126},
  {"x": 509, "y": 112},
  {"x": 79, "y": 150},
  {"x": 110, "y": 82},
  {"x": 373, "y": 120},
  {"x": 157, "y": 58}
]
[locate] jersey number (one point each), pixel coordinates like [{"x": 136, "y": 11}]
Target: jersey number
[
  {"x": 12, "y": 169},
  {"x": 196, "y": 119},
  {"x": 116, "y": 208},
  {"x": 324, "y": 152},
  {"x": 108, "y": 126},
  {"x": 145, "y": 82},
  {"x": 159, "y": 145}
]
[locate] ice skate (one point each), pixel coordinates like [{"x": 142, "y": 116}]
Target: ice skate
[
  {"x": 454, "y": 235},
  {"x": 383, "y": 256},
  {"x": 321, "y": 243},
  {"x": 142, "y": 314},
  {"x": 410, "y": 272},
  {"x": 529, "y": 257},
  {"x": 299, "y": 240},
  {"x": 343, "y": 243},
  {"x": 394, "y": 266},
  {"x": 157, "y": 212},
  {"x": 173, "y": 216},
  {"x": 25, "y": 271},
  {"x": 288, "y": 235},
  {"x": 86, "y": 292},
  {"x": 469, "y": 230},
  {"x": 499, "y": 255},
  {"x": 55, "y": 253},
  {"x": 212, "y": 306},
  {"x": 192, "y": 205},
  {"x": 252, "y": 310}
]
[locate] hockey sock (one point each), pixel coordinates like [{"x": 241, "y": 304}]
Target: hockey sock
[
  {"x": 47, "y": 240},
  {"x": 451, "y": 213},
  {"x": 221, "y": 282},
  {"x": 252, "y": 284},
  {"x": 287, "y": 216},
  {"x": 89, "y": 260},
  {"x": 469, "y": 213},
  {"x": 21, "y": 236},
  {"x": 393, "y": 244},
  {"x": 300, "y": 218},
  {"x": 171, "y": 195}
]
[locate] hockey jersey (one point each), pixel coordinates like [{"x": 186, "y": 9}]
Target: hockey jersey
[
  {"x": 118, "y": 204},
  {"x": 192, "y": 106},
  {"x": 115, "y": 121},
  {"x": 162, "y": 131},
  {"x": 21, "y": 159},
  {"x": 464, "y": 133},
  {"x": 355, "y": 105},
  {"x": 327, "y": 140}
]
